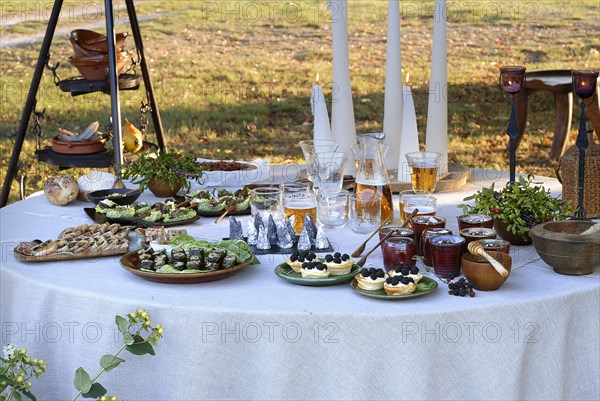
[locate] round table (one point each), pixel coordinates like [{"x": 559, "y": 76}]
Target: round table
[{"x": 255, "y": 336}]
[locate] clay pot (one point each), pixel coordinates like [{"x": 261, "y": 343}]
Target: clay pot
[
  {"x": 482, "y": 273},
  {"x": 162, "y": 189},
  {"x": 475, "y": 220},
  {"x": 514, "y": 239},
  {"x": 398, "y": 251},
  {"x": 446, "y": 253}
]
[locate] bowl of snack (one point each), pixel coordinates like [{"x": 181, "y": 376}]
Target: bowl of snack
[
  {"x": 483, "y": 275},
  {"x": 120, "y": 196},
  {"x": 477, "y": 233},
  {"x": 571, "y": 247}
]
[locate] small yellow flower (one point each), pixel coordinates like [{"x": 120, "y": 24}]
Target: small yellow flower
[
  {"x": 28, "y": 359},
  {"x": 158, "y": 326},
  {"x": 103, "y": 398},
  {"x": 134, "y": 315},
  {"x": 113, "y": 398},
  {"x": 148, "y": 322},
  {"x": 42, "y": 362},
  {"x": 20, "y": 379},
  {"x": 23, "y": 351},
  {"x": 144, "y": 314},
  {"x": 35, "y": 361},
  {"x": 161, "y": 330}
]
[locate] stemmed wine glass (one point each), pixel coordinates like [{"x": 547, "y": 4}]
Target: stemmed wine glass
[
  {"x": 512, "y": 82},
  {"x": 584, "y": 86}
]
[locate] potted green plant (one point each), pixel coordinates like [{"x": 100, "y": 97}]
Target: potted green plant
[
  {"x": 517, "y": 207},
  {"x": 163, "y": 173}
]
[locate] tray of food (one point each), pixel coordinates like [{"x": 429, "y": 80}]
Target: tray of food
[
  {"x": 277, "y": 235},
  {"x": 187, "y": 260},
  {"x": 81, "y": 242},
  {"x": 305, "y": 268},
  {"x": 212, "y": 203},
  {"x": 142, "y": 214},
  {"x": 404, "y": 282}
]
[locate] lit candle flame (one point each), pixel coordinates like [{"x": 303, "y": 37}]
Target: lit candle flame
[
  {"x": 317, "y": 78},
  {"x": 407, "y": 75}
]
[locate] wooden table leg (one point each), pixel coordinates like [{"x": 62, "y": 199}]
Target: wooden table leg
[
  {"x": 522, "y": 114},
  {"x": 593, "y": 113},
  {"x": 563, "y": 106}
]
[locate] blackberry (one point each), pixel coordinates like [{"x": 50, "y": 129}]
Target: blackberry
[
  {"x": 321, "y": 266},
  {"x": 337, "y": 255},
  {"x": 380, "y": 273},
  {"x": 345, "y": 257},
  {"x": 462, "y": 292},
  {"x": 311, "y": 256},
  {"x": 373, "y": 276},
  {"x": 398, "y": 269},
  {"x": 405, "y": 271},
  {"x": 301, "y": 259},
  {"x": 388, "y": 280},
  {"x": 305, "y": 265},
  {"x": 395, "y": 280},
  {"x": 328, "y": 258},
  {"x": 294, "y": 257},
  {"x": 414, "y": 270},
  {"x": 372, "y": 270},
  {"x": 527, "y": 216},
  {"x": 365, "y": 273},
  {"x": 337, "y": 261}
]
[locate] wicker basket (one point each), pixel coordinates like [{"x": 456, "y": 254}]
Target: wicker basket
[{"x": 567, "y": 171}]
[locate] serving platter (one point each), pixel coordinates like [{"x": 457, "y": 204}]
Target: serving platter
[
  {"x": 203, "y": 213},
  {"x": 285, "y": 272},
  {"x": 134, "y": 221},
  {"x": 130, "y": 260},
  {"x": 65, "y": 256},
  {"x": 381, "y": 294}
]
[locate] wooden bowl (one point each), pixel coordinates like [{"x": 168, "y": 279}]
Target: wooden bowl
[
  {"x": 482, "y": 274},
  {"x": 561, "y": 245}
]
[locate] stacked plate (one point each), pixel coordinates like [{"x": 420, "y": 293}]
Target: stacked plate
[{"x": 91, "y": 53}]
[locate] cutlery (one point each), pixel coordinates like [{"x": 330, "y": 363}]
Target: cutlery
[
  {"x": 363, "y": 260},
  {"x": 477, "y": 249},
  {"x": 361, "y": 248}
]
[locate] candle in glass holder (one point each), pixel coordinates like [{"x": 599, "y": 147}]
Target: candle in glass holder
[
  {"x": 512, "y": 79},
  {"x": 584, "y": 83}
]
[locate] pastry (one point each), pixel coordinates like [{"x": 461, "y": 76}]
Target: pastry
[
  {"x": 407, "y": 271},
  {"x": 314, "y": 270},
  {"x": 339, "y": 264},
  {"x": 370, "y": 279},
  {"x": 297, "y": 258},
  {"x": 398, "y": 285}
]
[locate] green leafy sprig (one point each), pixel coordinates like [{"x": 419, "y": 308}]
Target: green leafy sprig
[
  {"x": 170, "y": 167},
  {"x": 16, "y": 370},
  {"x": 520, "y": 205}
]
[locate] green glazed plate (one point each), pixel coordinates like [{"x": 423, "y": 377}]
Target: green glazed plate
[
  {"x": 288, "y": 274},
  {"x": 380, "y": 294}
]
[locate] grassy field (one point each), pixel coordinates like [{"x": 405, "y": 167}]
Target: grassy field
[{"x": 233, "y": 78}]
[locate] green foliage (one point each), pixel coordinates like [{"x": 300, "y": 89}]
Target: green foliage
[
  {"x": 520, "y": 205},
  {"x": 170, "y": 167},
  {"x": 16, "y": 370}
]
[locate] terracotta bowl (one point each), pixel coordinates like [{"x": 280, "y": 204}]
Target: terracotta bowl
[
  {"x": 561, "y": 245},
  {"x": 94, "y": 67},
  {"x": 78, "y": 148},
  {"x": 481, "y": 272},
  {"x": 94, "y": 42}
]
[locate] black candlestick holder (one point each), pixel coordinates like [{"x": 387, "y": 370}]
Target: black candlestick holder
[
  {"x": 512, "y": 83},
  {"x": 584, "y": 86}
]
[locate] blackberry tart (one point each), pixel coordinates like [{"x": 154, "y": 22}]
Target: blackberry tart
[
  {"x": 370, "y": 279},
  {"x": 339, "y": 264},
  {"x": 296, "y": 259},
  {"x": 399, "y": 285},
  {"x": 314, "y": 270},
  {"x": 407, "y": 271}
]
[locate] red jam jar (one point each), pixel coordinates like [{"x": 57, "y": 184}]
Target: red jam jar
[
  {"x": 426, "y": 236},
  {"x": 477, "y": 233},
  {"x": 446, "y": 254},
  {"x": 401, "y": 232},
  {"x": 420, "y": 223},
  {"x": 498, "y": 245},
  {"x": 398, "y": 251},
  {"x": 475, "y": 220}
]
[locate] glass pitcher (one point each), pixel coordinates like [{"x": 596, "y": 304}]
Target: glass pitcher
[{"x": 372, "y": 176}]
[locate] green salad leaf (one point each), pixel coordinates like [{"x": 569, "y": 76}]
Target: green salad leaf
[
  {"x": 237, "y": 247},
  {"x": 422, "y": 286}
]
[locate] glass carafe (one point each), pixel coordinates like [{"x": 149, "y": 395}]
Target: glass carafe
[{"x": 372, "y": 175}]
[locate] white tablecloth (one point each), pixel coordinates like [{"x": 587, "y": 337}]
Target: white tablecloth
[{"x": 255, "y": 336}]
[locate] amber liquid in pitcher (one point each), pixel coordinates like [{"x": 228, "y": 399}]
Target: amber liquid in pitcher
[{"x": 385, "y": 190}]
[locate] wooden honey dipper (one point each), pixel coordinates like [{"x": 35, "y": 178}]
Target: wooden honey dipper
[{"x": 477, "y": 249}]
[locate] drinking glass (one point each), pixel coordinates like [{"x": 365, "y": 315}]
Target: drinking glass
[
  {"x": 266, "y": 201},
  {"x": 426, "y": 204},
  {"x": 298, "y": 201},
  {"x": 332, "y": 209},
  {"x": 310, "y": 148},
  {"x": 365, "y": 212},
  {"x": 401, "y": 203},
  {"x": 330, "y": 171},
  {"x": 424, "y": 168}
]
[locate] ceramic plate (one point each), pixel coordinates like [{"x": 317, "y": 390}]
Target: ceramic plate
[
  {"x": 129, "y": 263},
  {"x": 380, "y": 294},
  {"x": 134, "y": 221},
  {"x": 288, "y": 274}
]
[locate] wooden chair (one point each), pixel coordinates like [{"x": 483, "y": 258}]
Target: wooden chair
[{"x": 559, "y": 83}]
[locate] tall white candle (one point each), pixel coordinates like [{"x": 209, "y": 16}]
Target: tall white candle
[
  {"x": 321, "y": 127},
  {"x": 436, "y": 137},
  {"x": 392, "y": 112},
  {"x": 343, "y": 127},
  {"x": 409, "y": 141}
]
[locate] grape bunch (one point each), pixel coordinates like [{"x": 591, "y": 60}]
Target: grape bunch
[
  {"x": 460, "y": 287},
  {"x": 527, "y": 216}
]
